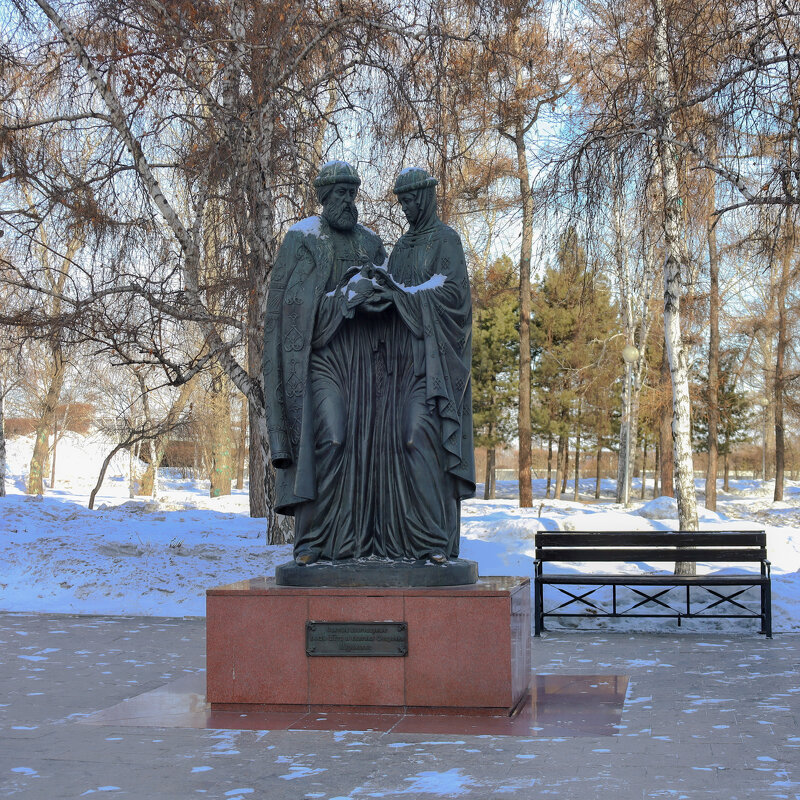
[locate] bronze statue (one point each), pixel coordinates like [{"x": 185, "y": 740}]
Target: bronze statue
[
  {"x": 366, "y": 372},
  {"x": 426, "y": 427},
  {"x": 319, "y": 373}
]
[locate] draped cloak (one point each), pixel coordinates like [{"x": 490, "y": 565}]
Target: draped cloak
[
  {"x": 426, "y": 424},
  {"x": 318, "y": 365}
]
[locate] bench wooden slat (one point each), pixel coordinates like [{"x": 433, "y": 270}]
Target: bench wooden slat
[
  {"x": 753, "y": 579},
  {"x": 650, "y": 554},
  {"x": 653, "y": 538}
]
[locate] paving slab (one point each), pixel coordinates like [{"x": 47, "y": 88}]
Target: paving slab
[{"x": 704, "y": 716}]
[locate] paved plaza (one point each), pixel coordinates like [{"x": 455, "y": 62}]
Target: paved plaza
[{"x": 671, "y": 715}]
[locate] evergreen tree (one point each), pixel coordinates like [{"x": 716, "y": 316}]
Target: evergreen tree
[
  {"x": 495, "y": 357},
  {"x": 573, "y": 321},
  {"x": 736, "y": 417}
]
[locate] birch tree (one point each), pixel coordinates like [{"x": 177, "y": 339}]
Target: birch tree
[
  {"x": 789, "y": 274},
  {"x": 675, "y": 268},
  {"x": 713, "y": 353},
  {"x": 240, "y": 84},
  {"x": 2, "y": 438},
  {"x": 636, "y": 272}
]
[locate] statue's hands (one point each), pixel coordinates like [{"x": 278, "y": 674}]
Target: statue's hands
[
  {"x": 379, "y": 300},
  {"x": 359, "y": 292},
  {"x": 368, "y": 288},
  {"x": 355, "y": 287}
]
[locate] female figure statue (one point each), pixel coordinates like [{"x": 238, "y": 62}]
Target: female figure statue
[{"x": 424, "y": 437}]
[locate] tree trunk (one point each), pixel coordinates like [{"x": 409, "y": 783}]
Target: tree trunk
[
  {"x": 597, "y": 473},
  {"x": 626, "y": 307},
  {"x": 2, "y": 447},
  {"x": 565, "y": 467},
  {"x": 780, "y": 358},
  {"x": 489, "y": 492},
  {"x": 656, "y": 470},
  {"x": 103, "y": 468},
  {"x": 261, "y": 485},
  {"x": 241, "y": 444},
  {"x": 147, "y": 485},
  {"x": 549, "y": 464},
  {"x": 675, "y": 266},
  {"x": 644, "y": 468},
  {"x": 577, "y": 472},
  {"x": 635, "y": 391},
  {"x": 629, "y": 430},
  {"x": 726, "y": 482},
  {"x": 713, "y": 365},
  {"x": 525, "y": 429},
  {"x": 45, "y": 424},
  {"x": 666, "y": 462},
  {"x": 559, "y": 467},
  {"x": 221, "y": 467},
  {"x": 633, "y": 294},
  {"x": 133, "y": 483},
  {"x": 53, "y": 454}
]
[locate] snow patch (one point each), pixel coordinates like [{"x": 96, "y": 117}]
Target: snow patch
[
  {"x": 157, "y": 557},
  {"x": 434, "y": 282},
  {"x": 310, "y": 226},
  {"x": 449, "y": 784},
  {"x": 299, "y": 771},
  {"x": 660, "y": 508}
]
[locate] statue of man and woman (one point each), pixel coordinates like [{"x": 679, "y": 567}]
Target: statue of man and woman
[{"x": 367, "y": 379}]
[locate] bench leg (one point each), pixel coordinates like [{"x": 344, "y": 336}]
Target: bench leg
[
  {"x": 538, "y": 611},
  {"x": 766, "y": 609}
]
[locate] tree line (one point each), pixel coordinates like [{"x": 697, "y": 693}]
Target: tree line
[{"x": 624, "y": 173}]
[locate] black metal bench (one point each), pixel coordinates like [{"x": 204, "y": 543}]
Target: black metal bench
[{"x": 653, "y": 546}]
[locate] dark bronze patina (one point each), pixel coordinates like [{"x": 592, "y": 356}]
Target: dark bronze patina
[{"x": 367, "y": 379}]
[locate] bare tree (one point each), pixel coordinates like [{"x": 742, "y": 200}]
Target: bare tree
[
  {"x": 789, "y": 274},
  {"x": 675, "y": 269},
  {"x": 241, "y": 90},
  {"x": 3, "y": 392}
]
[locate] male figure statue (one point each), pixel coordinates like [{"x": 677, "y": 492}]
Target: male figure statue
[{"x": 324, "y": 343}]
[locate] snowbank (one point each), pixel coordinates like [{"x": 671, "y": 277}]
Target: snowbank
[{"x": 144, "y": 557}]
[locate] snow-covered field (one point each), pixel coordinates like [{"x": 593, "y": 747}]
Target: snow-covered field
[{"x": 139, "y": 557}]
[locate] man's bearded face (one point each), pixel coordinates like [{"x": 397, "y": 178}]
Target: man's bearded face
[{"x": 339, "y": 207}]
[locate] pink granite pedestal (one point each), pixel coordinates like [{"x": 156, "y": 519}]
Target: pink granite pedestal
[{"x": 468, "y": 648}]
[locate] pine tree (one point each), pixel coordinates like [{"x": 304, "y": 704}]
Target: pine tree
[
  {"x": 735, "y": 413},
  {"x": 495, "y": 359},
  {"x": 573, "y": 321}
]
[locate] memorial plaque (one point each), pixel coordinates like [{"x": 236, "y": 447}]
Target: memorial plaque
[{"x": 383, "y": 639}]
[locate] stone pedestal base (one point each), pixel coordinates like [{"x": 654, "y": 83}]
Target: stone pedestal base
[
  {"x": 468, "y": 648},
  {"x": 373, "y": 572}
]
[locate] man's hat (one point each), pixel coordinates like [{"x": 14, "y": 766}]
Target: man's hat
[
  {"x": 412, "y": 178},
  {"x": 337, "y": 172}
]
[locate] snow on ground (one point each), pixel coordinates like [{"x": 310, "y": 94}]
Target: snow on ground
[{"x": 157, "y": 558}]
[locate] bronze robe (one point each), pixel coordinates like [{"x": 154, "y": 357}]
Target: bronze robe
[
  {"x": 319, "y": 377},
  {"x": 424, "y": 445}
]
